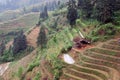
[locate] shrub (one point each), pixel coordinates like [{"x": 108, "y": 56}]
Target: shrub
[
  {"x": 33, "y": 65},
  {"x": 7, "y": 56},
  {"x": 37, "y": 77},
  {"x": 78, "y": 21},
  {"x": 102, "y": 32},
  {"x": 109, "y": 29},
  {"x": 57, "y": 68},
  {"x": 29, "y": 49}
]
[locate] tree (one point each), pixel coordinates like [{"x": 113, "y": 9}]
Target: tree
[
  {"x": 19, "y": 43},
  {"x": 105, "y": 10},
  {"x": 42, "y": 38},
  {"x": 43, "y": 15},
  {"x": 117, "y": 7},
  {"x": 72, "y": 12},
  {"x": 80, "y": 4},
  {"x": 86, "y": 7},
  {"x": 2, "y": 47}
]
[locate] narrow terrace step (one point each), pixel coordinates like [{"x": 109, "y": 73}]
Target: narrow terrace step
[
  {"x": 104, "y": 57},
  {"x": 106, "y": 51},
  {"x": 99, "y": 61},
  {"x": 104, "y": 70},
  {"x": 81, "y": 74},
  {"x": 110, "y": 46},
  {"x": 114, "y": 74},
  {"x": 116, "y": 43},
  {"x": 73, "y": 77},
  {"x": 88, "y": 70}
]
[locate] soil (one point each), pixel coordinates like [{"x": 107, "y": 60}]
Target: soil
[{"x": 32, "y": 37}]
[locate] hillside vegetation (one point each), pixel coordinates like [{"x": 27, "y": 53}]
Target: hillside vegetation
[{"x": 51, "y": 34}]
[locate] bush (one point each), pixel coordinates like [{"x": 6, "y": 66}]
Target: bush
[
  {"x": 33, "y": 65},
  {"x": 37, "y": 77},
  {"x": 29, "y": 49},
  {"x": 57, "y": 68},
  {"x": 109, "y": 29},
  {"x": 94, "y": 39},
  {"x": 78, "y": 21},
  {"x": 7, "y": 56},
  {"x": 102, "y": 32}
]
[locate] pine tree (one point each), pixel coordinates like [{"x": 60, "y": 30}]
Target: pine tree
[
  {"x": 2, "y": 47},
  {"x": 42, "y": 38},
  {"x": 45, "y": 12},
  {"x": 72, "y": 12},
  {"x": 80, "y": 4},
  {"x": 86, "y": 7},
  {"x": 19, "y": 43},
  {"x": 43, "y": 15},
  {"x": 117, "y": 5},
  {"x": 105, "y": 10}
]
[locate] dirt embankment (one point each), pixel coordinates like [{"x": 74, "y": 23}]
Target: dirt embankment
[{"x": 32, "y": 37}]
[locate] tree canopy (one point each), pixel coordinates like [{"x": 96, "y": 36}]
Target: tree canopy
[{"x": 19, "y": 43}]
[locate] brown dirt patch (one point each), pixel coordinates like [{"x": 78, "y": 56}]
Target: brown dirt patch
[{"x": 32, "y": 37}]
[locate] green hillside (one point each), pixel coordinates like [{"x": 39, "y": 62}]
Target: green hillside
[{"x": 86, "y": 30}]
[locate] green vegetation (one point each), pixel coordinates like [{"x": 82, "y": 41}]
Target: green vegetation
[
  {"x": 72, "y": 12},
  {"x": 33, "y": 64},
  {"x": 37, "y": 77},
  {"x": 42, "y": 38},
  {"x": 19, "y": 43},
  {"x": 56, "y": 36},
  {"x": 103, "y": 32},
  {"x": 20, "y": 72},
  {"x": 2, "y": 47},
  {"x": 7, "y": 56}
]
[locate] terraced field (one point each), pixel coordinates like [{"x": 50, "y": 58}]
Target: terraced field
[{"x": 99, "y": 63}]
